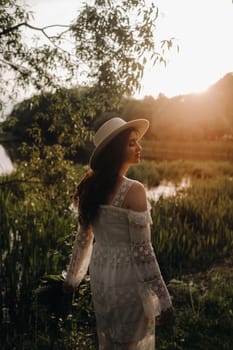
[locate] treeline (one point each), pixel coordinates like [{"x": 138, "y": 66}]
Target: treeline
[
  {"x": 191, "y": 117},
  {"x": 68, "y": 118}
]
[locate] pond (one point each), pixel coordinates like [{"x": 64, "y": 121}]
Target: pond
[
  {"x": 6, "y": 165},
  {"x": 167, "y": 189}
]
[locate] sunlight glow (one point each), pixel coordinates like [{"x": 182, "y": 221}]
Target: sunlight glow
[{"x": 203, "y": 31}]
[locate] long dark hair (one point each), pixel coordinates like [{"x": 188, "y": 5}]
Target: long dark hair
[{"x": 98, "y": 183}]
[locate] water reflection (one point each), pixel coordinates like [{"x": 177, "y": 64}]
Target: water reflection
[
  {"x": 6, "y": 165},
  {"x": 167, "y": 189}
]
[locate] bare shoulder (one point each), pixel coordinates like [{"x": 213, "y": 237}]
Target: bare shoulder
[{"x": 136, "y": 197}]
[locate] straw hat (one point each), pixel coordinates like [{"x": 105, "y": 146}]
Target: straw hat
[{"x": 111, "y": 129}]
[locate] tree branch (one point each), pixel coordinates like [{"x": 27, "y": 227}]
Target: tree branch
[
  {"x": 42, "y": 30},
  {"x": 15, "y": 66},
  {"x": 11, "y": 29}
]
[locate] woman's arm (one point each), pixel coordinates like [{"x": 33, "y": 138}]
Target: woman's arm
[{"x": 80, "y": 259}]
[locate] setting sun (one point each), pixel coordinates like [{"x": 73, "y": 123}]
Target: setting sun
[{"x": 202, "y": 30}]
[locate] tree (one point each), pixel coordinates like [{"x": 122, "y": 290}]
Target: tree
[
  {"x": 111, "y": 39},
  {"x": 21, "y": 65},
  {"x": 51, "y": 119},
  {"x": 116, "y": 38}
]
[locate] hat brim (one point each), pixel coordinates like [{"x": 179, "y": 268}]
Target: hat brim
[{"x": 141, "y": 125}]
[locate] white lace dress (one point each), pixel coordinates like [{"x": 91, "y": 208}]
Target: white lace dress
[{"x": 127, "y": 287}]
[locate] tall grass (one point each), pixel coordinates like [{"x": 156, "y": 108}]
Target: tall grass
[
  {"x": 195, "y": 228},
  {"x": 32, "y": 245}
]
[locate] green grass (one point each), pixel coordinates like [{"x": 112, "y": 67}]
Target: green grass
[
  {"x": 204, "y": 312},
  {"x": 195, "y": 228},
  {"x": 192, "y": 234}
]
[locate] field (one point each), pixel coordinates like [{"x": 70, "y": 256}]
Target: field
[
  {"x": 192, "y": 234},
  {"x": 199, "y": 150}
]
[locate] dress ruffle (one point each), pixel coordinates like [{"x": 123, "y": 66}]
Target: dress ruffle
[{"x": 140, "y": 218}]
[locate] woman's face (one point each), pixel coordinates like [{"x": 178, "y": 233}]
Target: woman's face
[{"x": 133, "y": 149}]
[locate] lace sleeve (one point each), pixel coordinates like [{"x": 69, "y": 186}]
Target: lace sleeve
[
  {"x": 152, "y": 288},
  {"x": 81, "y": 255}
]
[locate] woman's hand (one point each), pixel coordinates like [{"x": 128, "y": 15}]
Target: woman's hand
[
  {"x": 165, "y": 316},
  {"x": 67, "y": 288}
]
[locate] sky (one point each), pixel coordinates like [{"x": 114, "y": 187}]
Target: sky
[{"x": 203, "y": 29}]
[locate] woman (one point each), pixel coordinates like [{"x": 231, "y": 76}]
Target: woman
[{"x": 127, "y": 287}]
